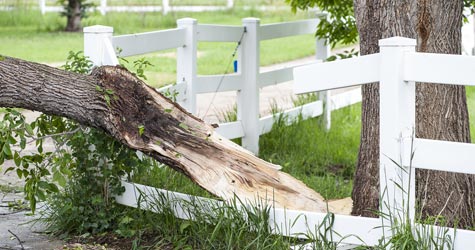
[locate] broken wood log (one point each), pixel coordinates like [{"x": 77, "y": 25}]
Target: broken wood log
[{"x": 114, "y": 100}]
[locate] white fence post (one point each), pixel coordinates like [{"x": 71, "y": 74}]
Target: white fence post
[
  {"x": 42, "y": 4},
  {"x": 98, "y": 46},
  {"x": 322, "y": 53},
  {"x": 186, "y": 62},
  {"x": 165, "y": 7},
  {"x": 397, "y": 119},
  {"x": 248, "y": 96},
  {"x": 103, "y": 7},
  {"x": 230, "y": 4}
]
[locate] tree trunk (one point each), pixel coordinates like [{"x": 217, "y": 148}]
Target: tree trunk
[
  {"x": 168, "y": 133},
  {"x": 73, "y": 14},
  {"x": 441, "y": 110}
]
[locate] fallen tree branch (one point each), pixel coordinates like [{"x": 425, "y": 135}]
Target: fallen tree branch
[{"x": 143, "y": 119}]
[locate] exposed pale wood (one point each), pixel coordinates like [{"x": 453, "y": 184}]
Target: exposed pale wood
[{"x": 171, "y": 135}]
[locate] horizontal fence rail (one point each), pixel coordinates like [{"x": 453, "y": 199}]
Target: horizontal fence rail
[
  {"x": 292, "y": 223},
  {"x": 143, "y": 43},
  {"x": 219, "y": 33},
  {"x": 337, "y": 74},
  {"x": 160, "y": 6},
  {"x": 439, "y": 68},
  {"x": 447, "y": 156},
  {"x": 280, "y": 30},
  {"x": 397, "y": 67}
]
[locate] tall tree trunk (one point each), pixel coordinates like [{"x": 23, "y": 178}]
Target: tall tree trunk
[
  {"x": 73, "y": 14},
  {"x": 441, "y": 110},
  {"x": 167, "y": 132}
]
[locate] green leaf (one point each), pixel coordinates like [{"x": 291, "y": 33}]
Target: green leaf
[
  {"x": 19, "y": 172},
  {"x": 17, "y": 159},
  {"x": 141, "y": 130},
  {"x": 7, "y": 150},
  {"x": 9, "y": 169},
  {"x": 109, "y": 91},
  {"x": 53, "y": 188},
  {"x": 28, "y": 129},
  {"x": 184, "y": 225},
  {"x": 168, "y": 110},
  {"x": 98, "y": 88},
  {"x": 22, "y": 143},
  {"x": 108, "y": 100},
  {"x": 59, "y": 178},
  {"x": 183, "y": 126}
]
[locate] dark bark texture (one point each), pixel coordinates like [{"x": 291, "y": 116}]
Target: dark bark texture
[
  {"x": 170, "y": 134},
  {"x": 441, "y": 110},
  {"x": 73, "y": 14}
]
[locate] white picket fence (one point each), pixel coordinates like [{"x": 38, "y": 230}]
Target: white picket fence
[
  {"x": 100, "y": 46},
  {"x": 165, "y": 7},
  {"x": 397, "y": 67}
]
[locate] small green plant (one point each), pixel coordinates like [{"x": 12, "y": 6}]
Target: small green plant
[
  {"x": 78, "y": 63},
  {"x": 140, "y": 65},
  {"x": 107, "y": 93}
]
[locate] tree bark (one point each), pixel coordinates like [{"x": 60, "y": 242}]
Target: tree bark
[
  {"x": 170, "y": 134},
  {"x": 441, "y": 110},
  {"x": 74, "y": 15}
]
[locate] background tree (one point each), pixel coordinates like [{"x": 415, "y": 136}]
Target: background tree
[
  {"x": 441, "y": 111},
  {"x": 74, "y": 11}
]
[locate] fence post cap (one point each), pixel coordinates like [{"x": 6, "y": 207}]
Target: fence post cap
[
  {"x": 186, "y": 20},
  {"x": 397, "y": 41},
  {"x": 251, "y": 20},
  {"x": 98, "y": 29}
]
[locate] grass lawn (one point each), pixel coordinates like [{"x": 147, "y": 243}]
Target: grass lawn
[{"x": 32, "y": 36}]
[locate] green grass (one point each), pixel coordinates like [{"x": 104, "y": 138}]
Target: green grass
[{"x": 471, "y": 110}]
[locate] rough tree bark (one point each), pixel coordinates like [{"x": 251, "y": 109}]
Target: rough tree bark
[
  {"x": 441, "y": 110},
  {"x": 170, "y": 134}
]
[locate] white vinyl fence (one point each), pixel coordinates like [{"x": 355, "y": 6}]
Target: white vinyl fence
[
  {"x": 165, "y": 7},
  {"x": 397, "y": 67},
  {"x": 100, "y": 45}
]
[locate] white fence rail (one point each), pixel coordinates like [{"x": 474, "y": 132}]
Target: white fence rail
[
  {"x": 397, "y": 67},
  {"x": 247, "y": 81},
  {"x": 165, "y": 7},
  {"x": 393, "y": 68}
]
